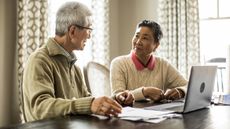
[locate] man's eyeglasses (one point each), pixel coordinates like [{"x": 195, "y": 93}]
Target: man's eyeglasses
[{"x": 83, "y": 27}]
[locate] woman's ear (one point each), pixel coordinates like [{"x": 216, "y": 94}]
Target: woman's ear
[{"x": 156, "y": 46}]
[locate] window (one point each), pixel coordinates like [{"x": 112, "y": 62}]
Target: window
[
  {"x": 214, "y": 37},
  {"x": 214, "y": 28}
]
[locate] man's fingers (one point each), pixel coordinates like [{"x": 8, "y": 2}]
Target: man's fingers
[
  {"x": 114, "y": 106},
  {"x": 114, "y": 103},
  {"x": 105, "y": 106},
  {"x": 109, "y": 109}
]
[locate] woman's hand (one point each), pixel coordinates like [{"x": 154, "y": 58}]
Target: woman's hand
[
  {"x": 125, "y": 98},
  {"x": 173, "y": 94},
  {"x": 153, "y": 93}
]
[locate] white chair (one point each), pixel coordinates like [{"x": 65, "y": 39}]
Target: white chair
[
  {"x": 221, "y": 71},
  {"x": 21, "y": 101},
  {"x": 97, "y": 79}
]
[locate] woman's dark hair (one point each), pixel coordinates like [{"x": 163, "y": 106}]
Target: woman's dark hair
[{"x": 156, "y": 29}]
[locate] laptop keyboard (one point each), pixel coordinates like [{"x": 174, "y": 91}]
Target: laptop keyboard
[{"x": 165, "y": 106}]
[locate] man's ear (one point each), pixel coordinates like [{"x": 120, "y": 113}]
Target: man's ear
[{"x": 71, "y": 31}]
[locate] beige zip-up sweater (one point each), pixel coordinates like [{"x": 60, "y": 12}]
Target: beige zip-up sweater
[
  {"x": 53, "y": 85},
  {"x": 125, "y": 76}
]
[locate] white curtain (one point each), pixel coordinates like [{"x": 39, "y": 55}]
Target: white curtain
[
  {"x": 180, "y": 23},
  {"x": 32, "y": 28}
]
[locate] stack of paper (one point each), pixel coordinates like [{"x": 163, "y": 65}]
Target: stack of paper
[{"x": 152, "y": 116}]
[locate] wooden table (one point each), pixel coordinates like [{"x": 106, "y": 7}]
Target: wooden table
[{"x": 215, "y": 117}]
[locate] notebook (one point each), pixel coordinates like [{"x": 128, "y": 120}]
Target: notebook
[{"x": 199, "y": 91}]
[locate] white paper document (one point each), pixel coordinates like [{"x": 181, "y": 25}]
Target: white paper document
[{"x": 152, "y": 116}]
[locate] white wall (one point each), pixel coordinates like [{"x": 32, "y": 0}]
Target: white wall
[
  {"x": 8, "y": 90},
  {"x": 124, "y": 16}
]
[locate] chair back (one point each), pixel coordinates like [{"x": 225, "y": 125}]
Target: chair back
[
  {"x": 221, "y": 71},
  {"x": 97, "y": 79},
  {"x": 21, "y": 101}
]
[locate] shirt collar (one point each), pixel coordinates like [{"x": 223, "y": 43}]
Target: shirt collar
[
  {"x": 139, "y": 66},
  {"x": 55, "y": 49}
]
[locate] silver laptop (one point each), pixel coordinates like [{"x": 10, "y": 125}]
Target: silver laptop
[{"x": 199, "y": 91}]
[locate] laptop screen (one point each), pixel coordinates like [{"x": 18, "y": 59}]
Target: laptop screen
[
  {"x": 200, "y": 87},
  {"x": 199, "y": 91}
]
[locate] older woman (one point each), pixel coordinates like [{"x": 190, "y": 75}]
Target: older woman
[{"x": 144, "y": 74}]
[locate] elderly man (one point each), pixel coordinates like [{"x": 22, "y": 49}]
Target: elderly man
[{"x": 53, "y": 85}]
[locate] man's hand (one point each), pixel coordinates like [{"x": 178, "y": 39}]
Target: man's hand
[
  {"x": 153, "y": 93},
  {"x": 125, "y": 98},
  {"x": 105, "y": 106}
]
